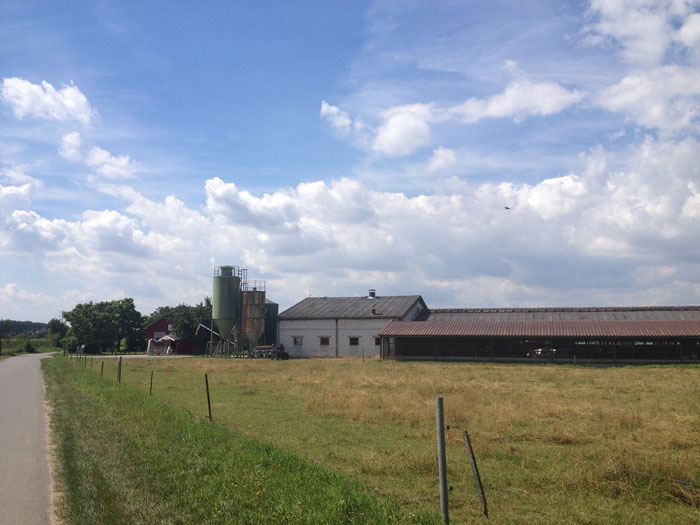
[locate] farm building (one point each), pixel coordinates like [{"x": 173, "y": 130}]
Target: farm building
[
  {"x": 654, "y": 334},
  {"x": 343, "y": 326},
  {"x": 160, "y": 332}
]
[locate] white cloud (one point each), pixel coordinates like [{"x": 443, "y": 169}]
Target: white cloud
[
  {"x": 405, "y": 129},
  {"x": 14, "y": 197},
  {"x": 70, "y": 146},
  {"x": 338, "y": 118},
  {"x": 567, "y": 240},
  {"x": 442, "y": 158},
  {"x": 110, "y": 166},
  {"x": 46, "y": 102},
  {"x": 689, "y": 33},
  {"x": 691, "y": 207},
  {"x": 106, "y": 164},
  {"x": 17, "y": 301},
  {"x": 667, "y": 98},
  {"x": 17, "y": 175},
  {"x": 644, "y": 28},
  {"x": 520, "y": 99}
]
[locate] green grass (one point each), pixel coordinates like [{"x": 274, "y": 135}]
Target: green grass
[
  {"x": 16, "y": 345},
  {"x": 125, "y": 457},
  {"x": 558, "y": 444}
]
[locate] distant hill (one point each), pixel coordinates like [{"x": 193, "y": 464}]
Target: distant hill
[{"x": 14, "y": 328}]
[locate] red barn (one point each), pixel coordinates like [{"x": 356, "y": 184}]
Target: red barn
[{"x": 163, "y": 327}]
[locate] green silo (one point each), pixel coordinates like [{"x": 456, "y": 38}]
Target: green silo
[
  {"x": 225, "y": 300},
  {"x": 271, "y": 322}
]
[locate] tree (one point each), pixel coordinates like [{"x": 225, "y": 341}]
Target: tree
[
  {"x": 186, "y": 319},
  {"x": 156, "y": 314},
  {"x": 4, "y": 331},
  {"x": 57, "y": 331},
  {"x": 83, "y": 324},
  {"x": 102, "y": 326},
  {"x": 129, "y": 324}
]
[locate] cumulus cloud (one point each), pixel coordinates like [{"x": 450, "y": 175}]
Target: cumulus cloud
[
  {"x": 45, "y": 101},
  {"x": 70, "y": 146},
  {"x": 667, "y": 98},
  {"x": 405, "y": 129},
  {"x": 110, "y": 166},
  {"x": 442, "y": 158},
  {"x": 689, "y": 33},
  {"x": 645, "y": 29},
  {"x": 631, "y": 227},
  {"x": 14, "y": 197},
  {"x": 520, "y": 99}
]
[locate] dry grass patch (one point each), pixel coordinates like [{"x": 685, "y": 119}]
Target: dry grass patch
[{"x": 554, "y": 443}]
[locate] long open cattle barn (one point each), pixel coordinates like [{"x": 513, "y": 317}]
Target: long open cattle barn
[{"x": 641, "y": 334}]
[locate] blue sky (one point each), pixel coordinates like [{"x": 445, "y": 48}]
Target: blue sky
[{"x": 332, "y": 147}]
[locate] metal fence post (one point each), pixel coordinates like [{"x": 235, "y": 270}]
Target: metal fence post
[
  {"x": 475, "y": 469},
  {"x": 150, "y": 390},
  {"x": 442, "y": 462},
  {"x": 206, "y": 381}
]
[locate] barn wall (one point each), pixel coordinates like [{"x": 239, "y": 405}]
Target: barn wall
[{"x": 313, "y": 329}]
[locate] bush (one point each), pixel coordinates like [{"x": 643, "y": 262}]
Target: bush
[{"x": 29, "y": 348}]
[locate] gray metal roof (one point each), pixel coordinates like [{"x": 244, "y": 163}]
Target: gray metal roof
[
  {"x": 642, "y": 313},
  {"x": 389, "y": 307}
]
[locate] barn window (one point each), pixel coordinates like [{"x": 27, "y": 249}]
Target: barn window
[
  {"x": 354, "y": 341},
  {"x": 298, "y": 340},
  {"x": 325, "y": 341},
  {"x": 377, "y": 341}
]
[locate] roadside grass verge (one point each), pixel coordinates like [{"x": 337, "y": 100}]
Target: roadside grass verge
[
  {"x": 125, "y": 457},
  {"x": 555, "y": 444}
]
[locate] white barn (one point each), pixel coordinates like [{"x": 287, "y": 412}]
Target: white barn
[{"x": 344, "y": 326}]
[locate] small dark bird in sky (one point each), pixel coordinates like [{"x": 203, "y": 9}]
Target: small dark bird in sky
[{"x": 507, "y": 208}]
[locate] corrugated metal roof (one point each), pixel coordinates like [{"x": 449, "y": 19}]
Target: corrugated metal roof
[
  {"x": 644, "y": 313},
  {"x": 544, "y": 328},
  {"x": 389, "y": 307}
]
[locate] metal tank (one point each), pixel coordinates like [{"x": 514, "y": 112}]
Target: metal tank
[
  {"x": 254, "y": 313},
  {"x": 272, "y": 309},
  {"x": 225, "y": 302}
]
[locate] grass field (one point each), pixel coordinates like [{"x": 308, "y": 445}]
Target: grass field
[
  {"x": 125, "y": 458},
  {"x": 16, "y": 346},
  {"x": 555, "y": 444}
]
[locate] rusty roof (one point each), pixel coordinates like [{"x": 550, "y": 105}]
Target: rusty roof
[
  {"x": 543, "y": 328},
  {"x": 609, "y": 313},
  {"x": 389, "y": 307}
]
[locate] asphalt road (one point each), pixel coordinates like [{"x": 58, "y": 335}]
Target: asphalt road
[{"x": 25, "y": 486}]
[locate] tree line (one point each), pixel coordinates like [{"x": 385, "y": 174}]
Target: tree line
[{"x": 113, "y": 326}]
